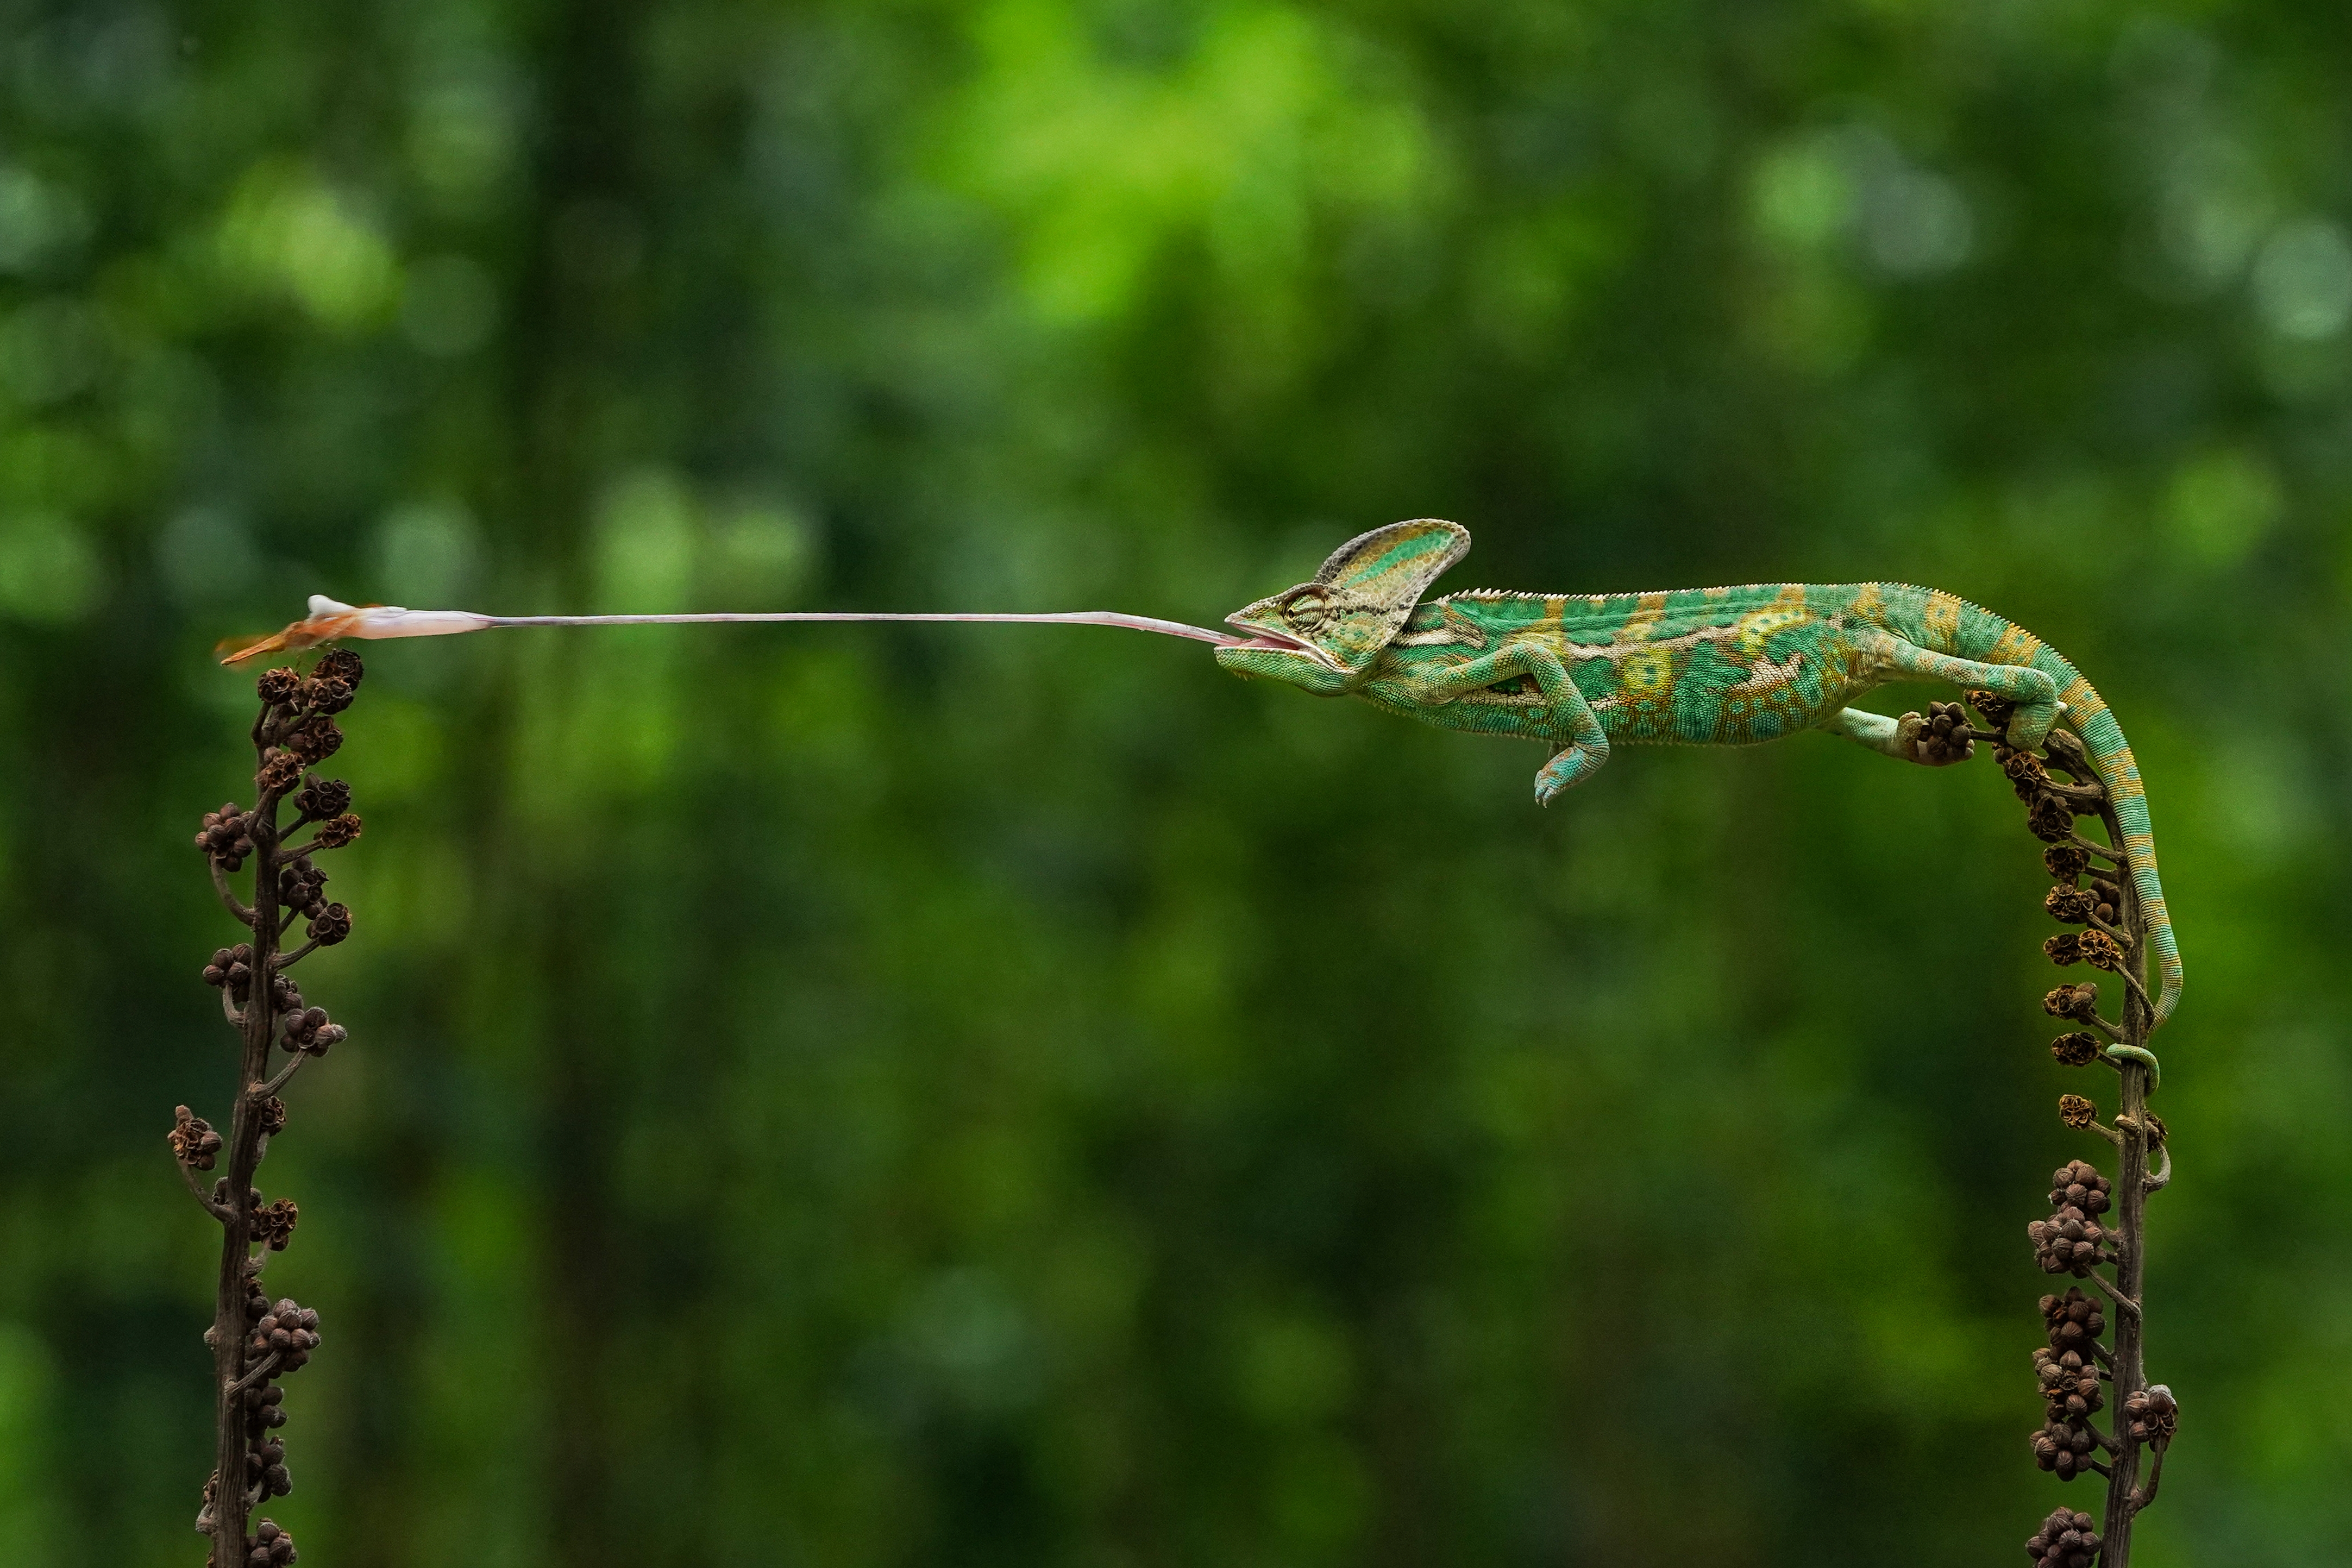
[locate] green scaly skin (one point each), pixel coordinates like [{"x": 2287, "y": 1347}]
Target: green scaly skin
[{"x": 1710, "y": 666}]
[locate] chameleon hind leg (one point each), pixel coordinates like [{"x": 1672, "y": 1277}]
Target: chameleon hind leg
[
  {"x": 1563, "y": 715},
  {"x": 2035, "y": 694}
]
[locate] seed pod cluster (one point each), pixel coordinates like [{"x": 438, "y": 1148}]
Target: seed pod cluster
[
  {"x": 265, "y": 1410},
  {"x": 2066, "y": 861},
  {"x": 1944, "y": 737},
  {"x": 313, "y": 739},
  {"x": 2067, "y": 1371},
  {"x": 2073, "y": 1322},
  {"x": 2070, "y": 906},
  {"x": 2066, "y": 1539},
  {"x": 2078, "y": 1048},
  {"x": 2050, "y": 819},
  {"x": 2065, "y": 1448},
  {"x": 2078, "y": 1002},
  {"x": 341, "y": 664},
  {"x": 226, "y": 835},
  {"x": 273, "y": 1224},
  {"x": 2152, "y": 1415},
  {"x": 280, "y": 771},
  {"x": 302, "y": 887},
  {"x": 2049, "y": 812},
  {"x": 320, "y": 798},
  {"x": 322, "y": 693},
  {"x": 2072, "y": 1241},
  {"x": 272, "y": 1547},
  {"x": 2099, "y": 951},
  {"x": 308, "y": 1030},
  {"x": 264, "y": 1467},
  {"x": 2070, "y": 1383},
  {"x": 193, "y": 1140},
  {"x": 1995, "y": 711},
  {"x": 289, "y": 1329},
  {"x": 232, "y": 967},
  {"x": 330, "y": 925}
]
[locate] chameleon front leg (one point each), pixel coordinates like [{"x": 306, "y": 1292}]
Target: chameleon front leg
[
  {"x": 2035, "y": 694},
  {"x": 1877, "y": 732},
  {"x": 1897, "y": 738},
  {"x": 1563, "y": 715}
]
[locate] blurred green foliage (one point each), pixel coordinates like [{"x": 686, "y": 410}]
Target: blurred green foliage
[{"x": 976, "y": 1096}]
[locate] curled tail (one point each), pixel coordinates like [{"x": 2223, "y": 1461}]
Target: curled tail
[{"x": 2087, "y": 716}]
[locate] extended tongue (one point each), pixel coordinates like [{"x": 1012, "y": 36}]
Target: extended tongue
[{"x": 331, "y": 619}]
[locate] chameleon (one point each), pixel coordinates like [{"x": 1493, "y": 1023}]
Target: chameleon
[
  {"x": 1722, "y": 666},
  {"x": 1578, "y": 672}
]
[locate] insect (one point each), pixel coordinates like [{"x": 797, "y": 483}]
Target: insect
[{"x": 1578, "y": 672}]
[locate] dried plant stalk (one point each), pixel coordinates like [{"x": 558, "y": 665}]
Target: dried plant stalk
[
  {"x": 256, "y": 1343},
  {"x": 2078, "y": 1375}
]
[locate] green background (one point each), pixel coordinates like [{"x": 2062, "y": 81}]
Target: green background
[{"x": 1016, "y": 1096}]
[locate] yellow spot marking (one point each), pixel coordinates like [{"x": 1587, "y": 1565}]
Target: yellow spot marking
[
  {"x": 1647, "y": 675},
  {"x": 1787, "y": 609},
  {"x": 1870, "y": 604},
  {"x": 2081, "y": 702},
  {"x": 2015, "y": 646},
  {"x": 1648, "y": 611},
  {"x": 1941, "y": 617}
]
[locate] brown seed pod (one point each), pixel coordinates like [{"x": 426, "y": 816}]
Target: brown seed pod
[
  {"x": 2066, "y": 861},
  {"x": 2050, "y": 819},
  {"x": 315, "y": 739},
  {"x": 330, "y": 925},
  {"x": 2098, "y": 949},
  {"x": 2077, "y": 1049},
  {"x": 1994, "y": 710},
  {"x": 278, "y": 773},
  {"x": 193, "y": 1140},
  {"x": 2070, "y": 906},
  {"x": 2077, "y": 1001},
  {"x": 321, "y": 798},
  {"x": 341, "y": 664},
  {"x": 2153, "y": 1415}
]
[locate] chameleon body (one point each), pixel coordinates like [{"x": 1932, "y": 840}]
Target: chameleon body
[{"x": 1725, "y": 667}]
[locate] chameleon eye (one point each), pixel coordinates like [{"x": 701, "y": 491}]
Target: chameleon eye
[{"x": 1305, "y": 609}]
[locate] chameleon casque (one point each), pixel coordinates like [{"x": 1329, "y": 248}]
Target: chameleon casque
[{"x": 1722, "y": 667}]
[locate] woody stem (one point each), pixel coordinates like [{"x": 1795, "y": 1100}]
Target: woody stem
[
  {"x": 2130, "y": 1373},
  {"x": 230, "y": 1330}
]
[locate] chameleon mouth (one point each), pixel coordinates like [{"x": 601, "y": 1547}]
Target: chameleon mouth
[{"x": 1263, "y": 640}]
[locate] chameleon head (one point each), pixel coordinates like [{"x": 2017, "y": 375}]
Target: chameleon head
[{"x": 1323, "y": 634}]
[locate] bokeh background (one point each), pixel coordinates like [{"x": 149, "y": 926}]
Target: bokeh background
[{"x": 1016, "y": 1096}]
